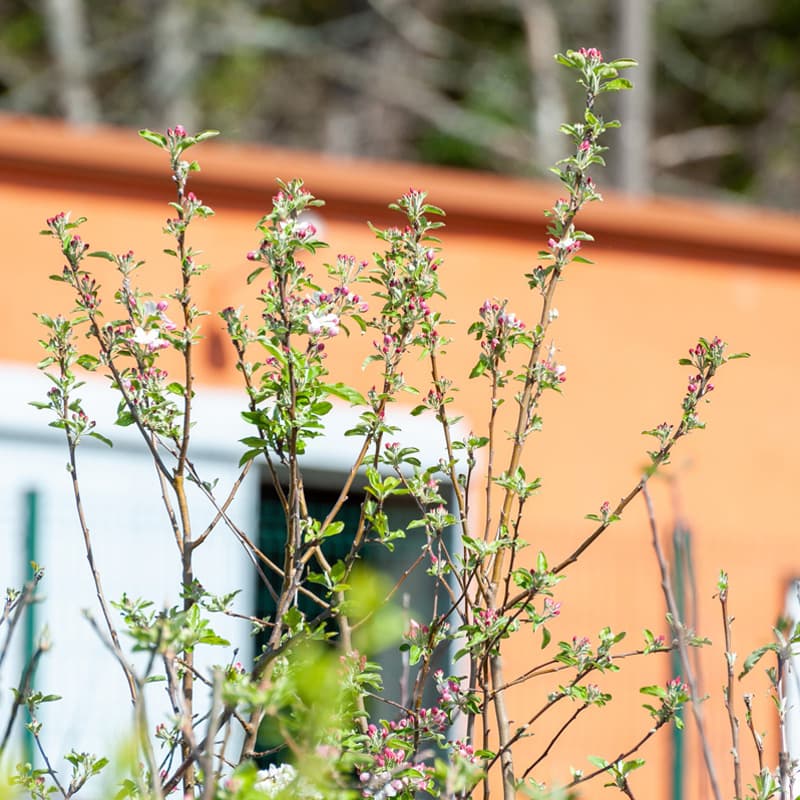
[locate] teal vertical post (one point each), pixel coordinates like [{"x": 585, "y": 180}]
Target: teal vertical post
[{"x": 31, "y": 532}]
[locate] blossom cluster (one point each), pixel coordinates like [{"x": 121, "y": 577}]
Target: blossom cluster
[
  {"x": 550, "y": 374},
  {"x": 498, "y": 331},
  {"x": 153, "y": 325}
]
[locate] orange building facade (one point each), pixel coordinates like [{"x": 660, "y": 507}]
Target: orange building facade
[{"x": 665, "y": 272}]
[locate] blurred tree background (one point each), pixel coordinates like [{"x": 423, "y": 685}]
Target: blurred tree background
[{"x": 467, "y": 83}]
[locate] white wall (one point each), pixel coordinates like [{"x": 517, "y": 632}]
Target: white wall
[{"x": 133, "y": 544}]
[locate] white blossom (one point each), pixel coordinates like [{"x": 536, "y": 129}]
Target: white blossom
[
  {"x": 277, "y": 778},
  {"x": 149, "y": 339},
  {"x": 323, "y": 323}
]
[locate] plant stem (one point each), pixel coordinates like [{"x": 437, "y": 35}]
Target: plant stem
[
  {"x": 21, "y": 693},
  {"x": 757, "y": 740},
  {"x": 442, "y": 416},
  {"x": 555, "y": 738},
  {"x": 679, "y": 633},
  {"x": 503, "y": 733},
  {"x": 784, "y": 758},
  {"x": 18, "y": 606},
  {"x": 87, "y": 543},
  {"x": 729, "y": 696},
  {"x": 620, "y": 757},
  {"x": 187, "y": 581}
]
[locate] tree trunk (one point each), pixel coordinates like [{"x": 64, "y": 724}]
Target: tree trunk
[
  {"x": 634, "y": 168},
  {"x": 65, "y": 23}
]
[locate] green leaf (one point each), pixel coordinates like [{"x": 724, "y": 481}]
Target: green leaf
[
  {"x": 213, "y": 639},
  {"x": 249, "y": 455},
  {"x": 616, "y": 85},
  {"x": 333, "y": 529},
  {"x": 254, "y": 274},
  {"x": 345, "y": 392},
  {"x": 158, "y": 139},
  {"x": 754, "y": 658},
  {"x": 545, "y": 638},
  {"x": 623, "y": 63},
  {"x": 175, "y": 388},
  {"x": 201, "y": 137},
  {"x": 98, "y": 765},
  {"x": 101, "y": 438},
  {"x": 631, "y": 765},
  {"x": 321, "y": 408},
  {"x": 478, "y": 369},
  {"x": 88, "y": 361},
  {"x": 103, "y": 254},
  {"x": 292, "y": 618},
  {"x": 255, "y": 442}
]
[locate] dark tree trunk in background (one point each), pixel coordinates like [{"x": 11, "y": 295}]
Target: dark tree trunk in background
[
  {"x": 173, "y": 65},
  {"x": 543, "y": 39}
]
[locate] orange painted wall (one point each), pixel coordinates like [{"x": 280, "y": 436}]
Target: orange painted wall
[{"x": 665, "y": 273}]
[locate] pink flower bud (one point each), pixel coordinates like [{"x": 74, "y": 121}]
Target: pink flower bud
[{"x": 591, "y": 53}]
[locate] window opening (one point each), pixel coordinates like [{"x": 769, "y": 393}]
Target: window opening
[{"x": 420, "y": 591}]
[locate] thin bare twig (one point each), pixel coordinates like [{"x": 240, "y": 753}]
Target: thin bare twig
[
  {"x": 21, "y": 694},
  {"x": 17, "y": 606},
  {"x": 551, "y": 666},
  {"x": 140, "y": 708},
  {"x": 207, "y": 756},
  {"x": 98, "y": 585},
  {"x": 733, "y": 720},
  {"x": 555, "y": 738},
  {"x": 620, "y": 757},
  {"x": 757, "y": 738},
  {"x": 785, "y": 769},
  {"x": 50, "y": 771},
  {"x": 679, "y": 633}
]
